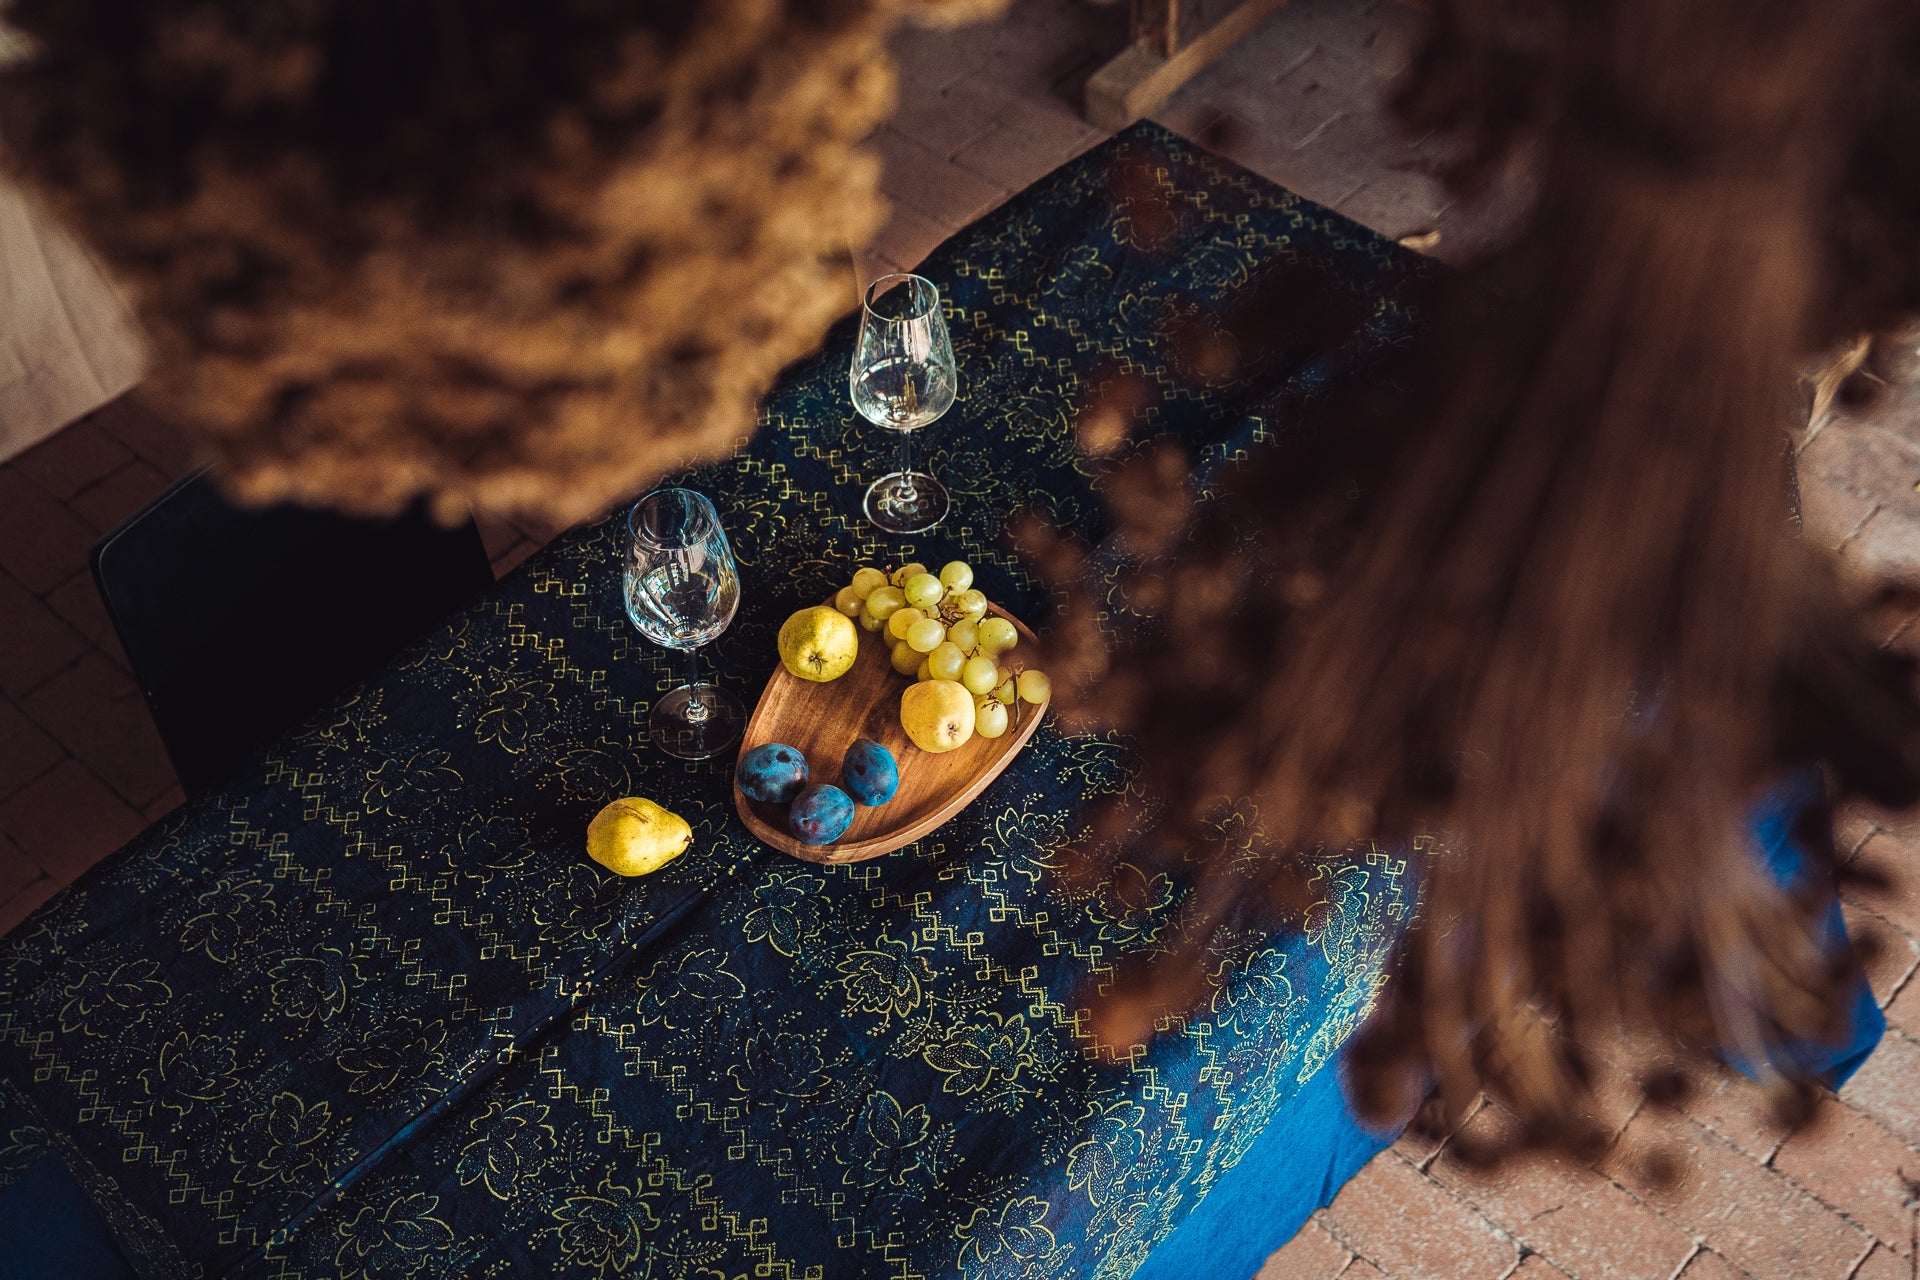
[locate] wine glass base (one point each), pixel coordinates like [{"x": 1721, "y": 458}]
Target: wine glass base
[
  {"x": 688, "y": 738},
  {"x": 906, "y": 502}
]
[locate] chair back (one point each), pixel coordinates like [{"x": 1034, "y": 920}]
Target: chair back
[{"x": 240, "y": 622}]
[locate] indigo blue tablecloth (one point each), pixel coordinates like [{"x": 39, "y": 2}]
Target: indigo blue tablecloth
[{"x": 367, "y": 1010}]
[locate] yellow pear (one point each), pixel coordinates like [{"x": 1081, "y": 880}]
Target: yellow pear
[
  {"x": 633, "y": 836},
  {"x": 818, "y": 644},
  {"x": 937, "y": 714}
]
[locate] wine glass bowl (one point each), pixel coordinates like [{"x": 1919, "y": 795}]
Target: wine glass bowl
[
  {"x": 903, "y": 376},
  {"x": 682, "y": 588}
]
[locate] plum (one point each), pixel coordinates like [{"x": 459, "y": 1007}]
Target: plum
[
  {"x": 820, "y": 815},
  {"x": 869, "y": 772},
  {"x": 772, "y": 773}
]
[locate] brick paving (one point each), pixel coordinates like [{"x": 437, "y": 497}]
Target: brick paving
[{"x": 985, "y": 111}]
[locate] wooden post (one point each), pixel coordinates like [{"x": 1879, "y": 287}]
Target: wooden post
[{"x": 1167, "y": 49}]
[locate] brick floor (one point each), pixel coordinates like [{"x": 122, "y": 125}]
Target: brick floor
[
  {"x": 984, "y": 112},
  {"x": 1313, "y": 1254},
  {"x": 1847, "y": 1160},
  {"x": 1708, "y": 1265},
  {"x": 1884, "y": 1264},
  {"x": 1409, "y": 1225},
  {"x": 1590, "y": 1227},
  {"x": 1754, "y": 1216}
]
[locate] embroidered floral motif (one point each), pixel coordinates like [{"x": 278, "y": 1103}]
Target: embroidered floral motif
[
  {"x": 886, "y": 979},
  {"x": 310, "y": 989},
  {"x": 191, "y": 1070},
  {"x": 1129, "y": 908},
  {"x": 512, "y": 1143},
  {"x": 396, "y": 1241},
  {"x": 389, "y": 1056},
  {"x": 607, "y": 1233},
  {"x": 984, "y": 1059},
  {"x": 510, "y": 713},
  {"x": 787, "y": 911},
  {"x": 886, "y": 1142},
  {"x": 234, "y": 919},
  {"x": 404, "y": 788},
  {"x": 1006, "y": 1245},
  {"x": 1100, "y": 1162},
  {"x": 289, "y": 1139},
  {"x": 112, "y": 1002},
  {"x": 787, "y": 1063}
]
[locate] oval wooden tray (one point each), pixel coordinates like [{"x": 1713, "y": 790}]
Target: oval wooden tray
[{"x": 822, "y": 720}]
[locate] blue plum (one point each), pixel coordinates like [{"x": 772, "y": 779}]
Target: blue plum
[
  {"x": 772, "y": 773},
  {"x": 821, "y": 814},
  {"x": 869, "y": 772}
]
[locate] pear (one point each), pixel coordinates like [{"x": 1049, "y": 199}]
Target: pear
[
  {"x": 819, "y": 644},
  {"x": 634, "y": 836},
  {"x": 937, "y": 714}
]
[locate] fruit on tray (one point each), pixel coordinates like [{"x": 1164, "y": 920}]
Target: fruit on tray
[
  {"x": 819, "y": 643},
  {"x": 869, "y": 772},
  {"x": 633, "y": 836},
  {"x": 820, "y": 814},
  {"x": 775, "y": 773},
  {"x": 772, "y": 773},
  {"x": 938, "y": 715},
  {"x": 989, "y": 718},
  {"x": 937, "y": 631}
]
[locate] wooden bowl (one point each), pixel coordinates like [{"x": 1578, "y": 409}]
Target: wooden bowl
[{"x": 822, "y": 721}]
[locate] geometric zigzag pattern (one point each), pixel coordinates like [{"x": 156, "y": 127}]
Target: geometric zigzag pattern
[{"x": 368, "y": 1011}]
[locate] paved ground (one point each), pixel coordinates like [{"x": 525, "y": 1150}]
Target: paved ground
[{"x": 984, "y": 112}]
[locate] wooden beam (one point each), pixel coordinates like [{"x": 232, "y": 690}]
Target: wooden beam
[
  {"x": 1139, "y": 79},
  {"x": 1151, "y": 25}
]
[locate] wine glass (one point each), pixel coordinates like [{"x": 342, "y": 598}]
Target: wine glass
[
  {"x": 903, "y": 377},
  {"x": 682, "y": 589}
]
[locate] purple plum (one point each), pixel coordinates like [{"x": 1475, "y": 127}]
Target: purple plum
[
  {"x": 772, "y": 773},
  {"x": 869, "y": 772},
  {"x": 820, "y": 815}
]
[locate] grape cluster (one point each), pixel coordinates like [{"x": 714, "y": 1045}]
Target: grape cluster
[{"x": 938, "y": 628}]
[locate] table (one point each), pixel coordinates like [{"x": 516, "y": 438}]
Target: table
[{"x": 366, "y": 1010}]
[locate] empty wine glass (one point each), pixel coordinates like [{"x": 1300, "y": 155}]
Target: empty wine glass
[
  {"x": 682, "y": 589},
  {"x": 903, "y": 377}
]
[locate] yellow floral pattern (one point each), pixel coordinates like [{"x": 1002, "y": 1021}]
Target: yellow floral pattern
[{"x": 369, "y": 1012}]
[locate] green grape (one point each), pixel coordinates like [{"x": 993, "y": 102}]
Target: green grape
[
  {"x": 1033, "y": 686},
  {"x": 924, "y": 674},
  {"x": 1005, "y": 691},
  {"x": 957, "y": 575},
  {"x": 865, "y": 581},
  {"x": 979, "y": 675},
  {"x": 989, "y": 718},
  {"x": 926, "y": 635},
  {"x": 901, "y": 619},
  {"x": 997, "y": 636},
  {"x": 905, "y": 660},
  {"x": 870, "y": 623},
  {"x": 947, "y": 660},
  {"x": 884, "y": 602},
  {"x": 972, "y": 603},
  {"x": 849, "y": 601},
  {"x": 965, "y": 633},
  {"x": 905, "y": 573},
  {"x": 923, "y": 590}
]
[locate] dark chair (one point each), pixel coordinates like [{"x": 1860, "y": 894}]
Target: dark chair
[{"x": 239, "y": 623}]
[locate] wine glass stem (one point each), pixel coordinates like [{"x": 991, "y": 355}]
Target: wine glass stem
[
  {"x": 697, "y": 708},
  {"x": 907, "y": 492}
]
